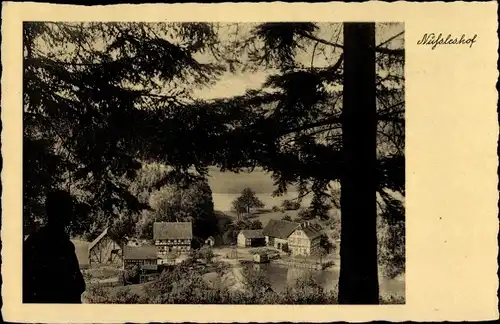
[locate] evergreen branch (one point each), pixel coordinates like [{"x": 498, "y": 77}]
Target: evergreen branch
[
  {"x": 397, "y": 52},
  {"x": 325, "y": 122},
  {"x": 313, "y": 53}
]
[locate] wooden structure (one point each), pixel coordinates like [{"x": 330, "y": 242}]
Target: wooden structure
[
  {"x": 277, "y": 233},
  {"x": 260, "y": 257},
  {"x": 173, "y": 237},
  {"x": 250, "y": 238},
  {"x": 210, "y": 241},
  {"x": 305, "y": 239},
  {"x": 144, "y": 256},
  {"x": 104, "y": 250}
]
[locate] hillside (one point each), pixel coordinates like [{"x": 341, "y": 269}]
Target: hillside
[{"x": 227, "y": 186}]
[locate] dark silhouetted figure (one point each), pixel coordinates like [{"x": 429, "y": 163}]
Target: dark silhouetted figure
[{"x": 51, "y": 272}]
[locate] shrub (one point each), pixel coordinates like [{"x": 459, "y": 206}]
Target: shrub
[
  {"x": 307, "y": 291},
  {"x": 391, "y": 247},
  {"x": 290, "y": 205},
  {"x": 180, "y": 286},
  {"x": 275, "y": 209},
  {"x": 132, "y": 275},
  {"x": 97, "y": 294},
  {"x": 124, "y": 296},
  {"x": 206, "y": 254},
  {"x": 256, "y": 224},
  {"x": 305, "y": 214},
  {"x": 389, "y": 299}
]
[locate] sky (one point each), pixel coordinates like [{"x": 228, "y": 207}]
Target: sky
[{"x": 236, "y": 84}]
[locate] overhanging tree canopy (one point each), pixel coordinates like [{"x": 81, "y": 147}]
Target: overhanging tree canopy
[{"x": 99, "y": 99}]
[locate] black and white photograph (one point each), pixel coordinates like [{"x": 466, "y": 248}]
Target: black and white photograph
[{"x": 213, "y": 162}]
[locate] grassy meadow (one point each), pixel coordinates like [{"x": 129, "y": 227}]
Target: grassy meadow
[{"x": 227, "y": 186}]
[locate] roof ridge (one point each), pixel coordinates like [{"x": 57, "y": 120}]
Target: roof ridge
[{"x": 98, "y": 238}]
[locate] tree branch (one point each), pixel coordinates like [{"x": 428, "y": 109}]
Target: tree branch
[
  {"x": 390, "y": 39},
  {"x": 397, "y": 52},
  {"x": 313, "y": 53}
]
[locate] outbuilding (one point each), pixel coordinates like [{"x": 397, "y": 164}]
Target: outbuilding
[{"x": 251, "y": 238}]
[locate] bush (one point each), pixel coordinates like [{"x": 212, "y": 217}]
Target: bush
[
  {"x": 287, "y": 218},
  {"x": 391, "y": 247},
  {"x": 206, "y": 254},
  {"x": 99, "y": 294},
  {"x": 389, "y": 299},
  {"x": 305, "y": 214},
  {"x": 132, "y": 275},
  {"x": 183, "y": 286},
  {"x": 275, "y": 209},
  {"x": 124, "y": 296},
  {"x": 256, "y": 224},
  {"x": 290, "y": 205}
]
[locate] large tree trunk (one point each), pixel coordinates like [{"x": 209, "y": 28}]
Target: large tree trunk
[{"x": 358, "y": 283}]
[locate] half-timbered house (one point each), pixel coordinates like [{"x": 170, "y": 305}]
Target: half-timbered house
[
  {"x": 172, "y": 237},
  {"x": 305, "y": 240},
  {"x": 277, "y": 233}
]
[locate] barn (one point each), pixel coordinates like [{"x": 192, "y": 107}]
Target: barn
[
  {"x": 251, "y": 238},
  {"x": 145, "y": 256},
  {"x": 104, "y": 250}
]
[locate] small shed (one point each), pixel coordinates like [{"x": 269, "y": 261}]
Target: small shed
[
  {"x": 145, "y": 256},
  {"x": 251, "y": 238},
  {"x": 210, "y": 241},
  {"x": 260, "y": 257}
]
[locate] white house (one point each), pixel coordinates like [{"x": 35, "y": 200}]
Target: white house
[{"x": 250, "y": 238}]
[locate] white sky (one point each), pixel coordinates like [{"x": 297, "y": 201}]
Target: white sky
[{"x": 236, "y": 84}]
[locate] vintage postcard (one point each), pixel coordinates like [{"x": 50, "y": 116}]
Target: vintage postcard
[{"x": 249, "y": 162}]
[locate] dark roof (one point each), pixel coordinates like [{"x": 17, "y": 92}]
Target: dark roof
[
  {"x": 250, "y": 234},
  {"x": 312, "y": 232},
  {"x": 279, "y": 228},
  {"x": 172, "y": 231},
  {"x": 147, "y": 252}
]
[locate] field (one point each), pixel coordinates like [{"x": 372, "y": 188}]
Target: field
[
  {"x": 233, "y": 183},
  {"x": 82, "y": 252},
  {"x": 264, "y": 216},
  {"x": 227, "y": 186}
]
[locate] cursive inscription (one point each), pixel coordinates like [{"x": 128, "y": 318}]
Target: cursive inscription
[{"x": 434, "y": 40}]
